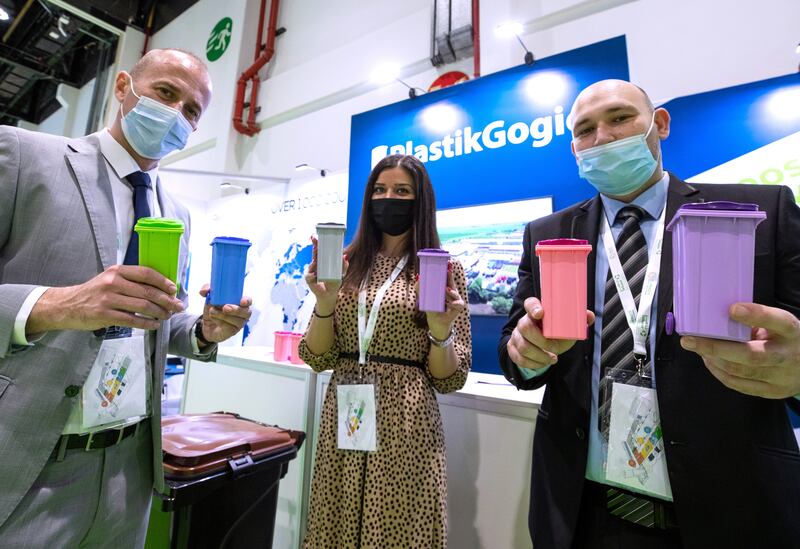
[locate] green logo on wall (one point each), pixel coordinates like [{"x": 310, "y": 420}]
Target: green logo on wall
[{"x": 220, "y": 39}]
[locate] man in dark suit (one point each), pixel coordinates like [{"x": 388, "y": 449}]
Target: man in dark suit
[
  {"x": 727, "y": 453},
  {"x": 79, "y": 463}
]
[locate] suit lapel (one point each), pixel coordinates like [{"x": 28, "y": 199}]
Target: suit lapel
[
  {"x": 585, "y": 226},
  {"x": 91, "y": 174},
  {"x": 678, "y": 194},
  {"x": 164, "y": 202}
]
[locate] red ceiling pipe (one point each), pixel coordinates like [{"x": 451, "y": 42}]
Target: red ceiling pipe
[
  {"x": 476, "y": 37},
  {"x": 261, "y": 58}
]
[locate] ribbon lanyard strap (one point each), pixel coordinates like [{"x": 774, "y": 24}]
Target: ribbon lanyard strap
[
  {"x": 638, "y": 320},
  {"x": 366, "y": 327}
]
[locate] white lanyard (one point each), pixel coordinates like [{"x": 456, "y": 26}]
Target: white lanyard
[
  {"x": 638, "y": 321},
  {"x": 366, "y": 328}
]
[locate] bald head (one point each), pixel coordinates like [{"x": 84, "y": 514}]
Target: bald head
[
  {"x": 608, "y": 90},
  {"x": 168, "y": 56},
  {"x": 172, "y": 77},
  {"x": 176, "y": 78},
  {"x": 613, "y": 110}
]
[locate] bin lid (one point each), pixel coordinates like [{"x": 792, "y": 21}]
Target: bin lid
[
  {"x": 720, "y": 209},
  {"x": 202, "y": 443},
  {"x": 161, "y": 224},
  {"x": 563, "y": 242},
  {"x": 721, "y": 205},
  {"x": 563, "y": 245},
  {"x": 331, "y": 225},
  {"x": 231, "y": 240},
  {"x": 432, "y": 251}
]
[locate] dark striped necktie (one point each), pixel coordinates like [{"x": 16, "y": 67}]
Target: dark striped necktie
[
  {"x": 140, "y": 182},
  {"x": 617, "y": 361}
]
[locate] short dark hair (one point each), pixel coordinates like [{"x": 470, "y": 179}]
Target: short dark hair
[{"x": 367, "y": 241}]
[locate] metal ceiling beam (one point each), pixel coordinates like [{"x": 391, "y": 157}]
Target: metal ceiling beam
[
  {"x": 17, "y": 19},
  {"x": 11, "y": 56},
  {"x": 86, "y": 16}
]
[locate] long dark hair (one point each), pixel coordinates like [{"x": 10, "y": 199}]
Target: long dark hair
[{"x": 365, "y": 245}]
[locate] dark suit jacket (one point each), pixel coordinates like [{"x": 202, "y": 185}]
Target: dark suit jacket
[{"x": 732, "y": 459}]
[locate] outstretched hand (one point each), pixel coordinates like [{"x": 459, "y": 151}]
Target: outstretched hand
[
  {"x": 766, "y": 366},
  {"x": 527, "y": 346}
]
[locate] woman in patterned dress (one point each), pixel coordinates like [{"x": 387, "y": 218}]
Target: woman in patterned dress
[{"x": 395, "y": 496}]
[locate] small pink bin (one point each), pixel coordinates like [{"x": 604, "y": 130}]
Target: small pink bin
[
  {"x": 286, "y": 347},
  {"x": 562, "y": 269}
]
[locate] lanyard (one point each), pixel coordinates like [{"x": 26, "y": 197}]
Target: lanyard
[
  {"x": 366, "y": 327},
  {"x": 638, "y": 321}
]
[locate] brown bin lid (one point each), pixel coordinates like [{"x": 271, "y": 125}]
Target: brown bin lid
[{"x": 196, "y": 444}]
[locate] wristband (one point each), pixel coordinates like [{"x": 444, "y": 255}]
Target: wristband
[
  {"x": 316, "y": 314},
  {"x": 441, "y": 342}
]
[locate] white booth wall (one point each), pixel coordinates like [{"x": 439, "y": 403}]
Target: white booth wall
[{"x": 319, "y": 78}]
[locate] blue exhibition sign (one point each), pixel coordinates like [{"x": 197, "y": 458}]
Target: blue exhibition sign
[
  {"x": 498, "y": 153},
  {"x": 502, "y": 137},
  {"x": 713, "y": 128}
]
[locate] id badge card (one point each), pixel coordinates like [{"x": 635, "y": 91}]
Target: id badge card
[
  {"x": 116, "y": 388},
  {"x": 357, "y": 428},
  {"x": 635, "y": 458}
]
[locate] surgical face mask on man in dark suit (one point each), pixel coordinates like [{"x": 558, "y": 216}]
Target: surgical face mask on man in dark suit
[{"x": 616, "y": 139}]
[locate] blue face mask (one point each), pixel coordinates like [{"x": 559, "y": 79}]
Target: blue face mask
[
  {"x": 153, "y": 129},
  {"x": 620, "y": 167}
]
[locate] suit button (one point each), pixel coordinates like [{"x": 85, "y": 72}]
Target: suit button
[
  {"x": 580, "y": 433},
  {"x": 72, "y": 391}
]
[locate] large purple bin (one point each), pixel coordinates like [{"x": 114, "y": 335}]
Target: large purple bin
[{"x": 713, "y": 251}]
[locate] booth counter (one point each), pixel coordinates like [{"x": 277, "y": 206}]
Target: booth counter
[{"x": 488, "y": 431}]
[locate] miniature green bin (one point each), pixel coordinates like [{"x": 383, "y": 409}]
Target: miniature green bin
[{"x": 160, "y": 244}]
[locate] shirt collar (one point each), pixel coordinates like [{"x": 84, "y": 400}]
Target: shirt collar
[
  {"x": 119, "y": 159},
  {"x": 653, "y": 200}
]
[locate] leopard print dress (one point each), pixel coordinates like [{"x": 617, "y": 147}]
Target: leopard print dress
[{"x": 396, "y": 496}]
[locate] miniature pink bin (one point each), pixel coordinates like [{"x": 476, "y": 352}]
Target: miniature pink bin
[
  {"x": 283, "y": 346},
  {"x": 294, "y": 354},
  {"x": 562, "y": 268}
]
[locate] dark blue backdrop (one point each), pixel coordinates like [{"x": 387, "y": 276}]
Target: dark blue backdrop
[
  {"x": 537, "y": 97},
  {"x": 709, "y": 129}
]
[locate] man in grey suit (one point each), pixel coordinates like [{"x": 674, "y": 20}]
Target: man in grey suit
[{"x": 83, "y": 329}]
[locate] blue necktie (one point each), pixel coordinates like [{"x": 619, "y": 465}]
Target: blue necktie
[{"x": 140, "y": 182}]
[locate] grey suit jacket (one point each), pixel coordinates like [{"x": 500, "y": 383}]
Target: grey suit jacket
[{"x": 57, "y": 228}]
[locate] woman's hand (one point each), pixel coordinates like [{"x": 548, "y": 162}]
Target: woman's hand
[
  {"x": 325, "y": 292},
  {"x": 440, "y": 324}
]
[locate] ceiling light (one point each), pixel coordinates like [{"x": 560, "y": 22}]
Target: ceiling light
[
  {"x": 508, "y": 30},
  {"x": 228, "y": 186},
  {"x": 4, "y": 16},
  {"x": 389, "y": 72},
  {"x": 307, "y": 167},
  {"x": 383, "y": 74},
  {"x": 54, "y": 35},
  {"x": 511, "y": 29},
  {"x": 63, "y": 20}
]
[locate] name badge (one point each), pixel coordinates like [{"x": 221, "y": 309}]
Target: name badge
[
  {"x": 116, "y": 388},
  {"x": 356, "y": 412},
  {"x": 635, "y": 459}
]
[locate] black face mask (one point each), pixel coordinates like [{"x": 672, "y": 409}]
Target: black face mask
[{"x": 393, "y": 216}]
